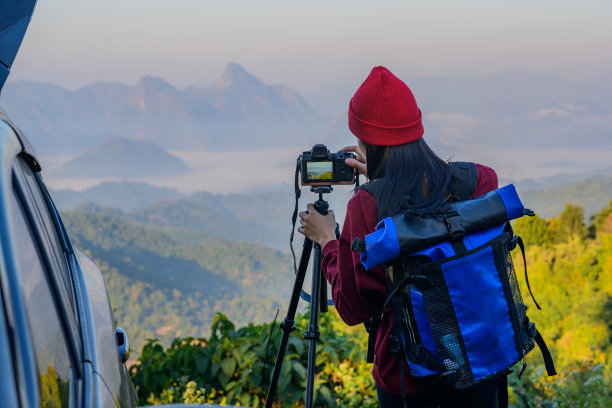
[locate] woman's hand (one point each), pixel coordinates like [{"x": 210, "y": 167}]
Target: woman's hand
[
  {"x": 359, "y": 162},
  {"x": 319, "y": 228}
]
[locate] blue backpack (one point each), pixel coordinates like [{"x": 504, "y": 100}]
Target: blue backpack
[{"x": 458, "y": 313}]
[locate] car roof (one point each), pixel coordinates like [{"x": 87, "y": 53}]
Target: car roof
[{"x": 15, "y": 16}]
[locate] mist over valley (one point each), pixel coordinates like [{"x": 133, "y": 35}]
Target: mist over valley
[{"x": 525, "y": 126}]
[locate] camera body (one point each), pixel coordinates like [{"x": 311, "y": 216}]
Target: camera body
[{"x": 319, "y": 167}]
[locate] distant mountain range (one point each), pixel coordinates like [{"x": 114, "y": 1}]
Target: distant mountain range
[
  {"x": 126, "y": 195},
  {"x": 509, "y": 110},
  {"x": 265, "y": 217},
  {"x": 239, "y": 111},
  {"x": 518, "y": 123},
  {"x": 122, "y": 157}
]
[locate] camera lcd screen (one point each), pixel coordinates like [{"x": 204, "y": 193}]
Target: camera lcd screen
[{"x": 320, "y": 170}]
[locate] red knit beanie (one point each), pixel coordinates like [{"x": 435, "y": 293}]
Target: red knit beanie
[{"x": 383, "y": 111}]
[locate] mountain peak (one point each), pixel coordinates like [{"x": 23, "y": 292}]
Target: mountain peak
[
  {"x": 115, "y": 139},
  {"x": 151, "y": 82},
  {"x": 235, "y": 74}
]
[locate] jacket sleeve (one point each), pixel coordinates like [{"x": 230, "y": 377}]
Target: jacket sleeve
[
  {"x": 487, "y": 180},
  {"x": 355, "y": 291}
]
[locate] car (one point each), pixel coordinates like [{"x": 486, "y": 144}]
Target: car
[
  {"x": 58, "y": 340},
  {"x": 58, "y": 337},
  {"x": 59, "y": 344}
]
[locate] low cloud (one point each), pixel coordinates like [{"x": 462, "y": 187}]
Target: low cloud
[
  {"x": 549, "y": 113},
  {"x": 581, "y": 115},
  {"x": 454, "y": 126}
]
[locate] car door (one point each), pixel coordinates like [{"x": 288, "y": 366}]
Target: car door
[{"x": 53, "y": 344}]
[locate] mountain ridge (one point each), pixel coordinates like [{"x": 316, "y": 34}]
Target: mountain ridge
[
  {"x": 119, "y": 156},
  {"x": 238, "y": 111}
]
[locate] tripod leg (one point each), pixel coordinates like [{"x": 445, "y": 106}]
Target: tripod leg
[
  {"x": 312, "y": 334},
  {"x": 323, "y": 293},
  {"x": 288, "y": 324},
  {"x": 323, "y": 298}
]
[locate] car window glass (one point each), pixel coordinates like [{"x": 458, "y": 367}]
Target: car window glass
[
  {"x": 53, "y": 358},
  {"x": 47, "y": 230}
]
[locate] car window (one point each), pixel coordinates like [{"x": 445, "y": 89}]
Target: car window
[
  {"x": 54, "y": 360},
  {"x": 47, "y": 227}
]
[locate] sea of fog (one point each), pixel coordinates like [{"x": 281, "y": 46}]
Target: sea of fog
[{"x": 253, "y": 170}]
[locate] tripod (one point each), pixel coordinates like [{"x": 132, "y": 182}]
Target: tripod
[{"x": 318, "y": 302}]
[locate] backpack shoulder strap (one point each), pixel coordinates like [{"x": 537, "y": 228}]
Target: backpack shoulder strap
[
  {"x": 464, "y": 179},
  {"x": 371, "y": 186}
]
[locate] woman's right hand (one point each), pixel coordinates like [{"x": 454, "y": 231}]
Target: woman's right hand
[{"x": 359, "y": 162}]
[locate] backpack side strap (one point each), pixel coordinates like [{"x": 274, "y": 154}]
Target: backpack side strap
[
  {"x": 548, "y": 360},
  {"x": 372, "y": 329},
  {"x": 374, "y": 322},
  {"x": 464, "y": 179}
]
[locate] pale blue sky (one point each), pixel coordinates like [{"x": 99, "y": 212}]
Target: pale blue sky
[{"x": 310, "y": 43}]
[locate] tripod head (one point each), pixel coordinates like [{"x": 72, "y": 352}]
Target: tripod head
[
  {"x": 321, "y": 189},
  {"x": 321, "y": 205}
]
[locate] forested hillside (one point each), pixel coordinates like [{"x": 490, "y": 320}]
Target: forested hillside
[
  {"x": 264, "y": 216},
  {"x": 570, "y": 271},
  {"x": 126, "y": 195},
  {"x": 258, "y": 217},
  {"x": 591, "y": 194},
  {"x": 160, "y": 288}
]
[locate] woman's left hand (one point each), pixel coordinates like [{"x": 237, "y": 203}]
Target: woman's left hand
[{"x": 319, "y": 228}]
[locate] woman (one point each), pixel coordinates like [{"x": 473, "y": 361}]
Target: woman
[{"x": 386, "y": 120}]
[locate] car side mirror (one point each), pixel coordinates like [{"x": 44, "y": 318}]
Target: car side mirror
[{"x": 123, "y": 344}]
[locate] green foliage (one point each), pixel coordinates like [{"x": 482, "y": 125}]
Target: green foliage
[
  {"x": 570, "y": 224},
  {"x": 602, "y": 220},
  {"x": 54, "y": 391},
  {"x": 534, "y": 230},
  {"x": 228, "y": 367},
  {"x": 585, "y": 385},
  {"x": 164, "y": 288},
  {"x": 570, "y": 276},
  {"x": 567, "y": 226}
]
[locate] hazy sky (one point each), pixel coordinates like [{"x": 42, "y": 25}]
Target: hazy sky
[{"x": 310, "y": 43}]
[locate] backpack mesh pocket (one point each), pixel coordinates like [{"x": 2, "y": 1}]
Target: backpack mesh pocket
[
  {"x": 446, "y": 332},
  {"x": 475, "y": 312},
  {"x": 525, "y": 342}
]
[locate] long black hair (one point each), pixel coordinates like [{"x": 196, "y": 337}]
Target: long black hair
[{"x": 408, "y": 177}]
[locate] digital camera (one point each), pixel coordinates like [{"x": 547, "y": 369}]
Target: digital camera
[{"x": 319, "y": 167}]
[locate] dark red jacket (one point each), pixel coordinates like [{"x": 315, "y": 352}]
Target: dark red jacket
[{"x": 356, "y": 291}]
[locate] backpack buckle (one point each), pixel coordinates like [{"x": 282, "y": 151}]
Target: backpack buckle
[
  {"x": 368, "y": 324},
  {"x": 531, "y": 330},
  {"x": 513, "y": 243},
  {"x": 420, "y": 281},
  {"x": 394, "y": 345},
  {"x": 449, "y": 377},
  {"x": 358, "y": 245},
  {"x": 452, "y": 219}
]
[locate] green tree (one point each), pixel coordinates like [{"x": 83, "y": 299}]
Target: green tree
[
  {"x": 534, "y": 230},
  {"x": 602, "y": 220},
  {"x": 570, "y": 224}
]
